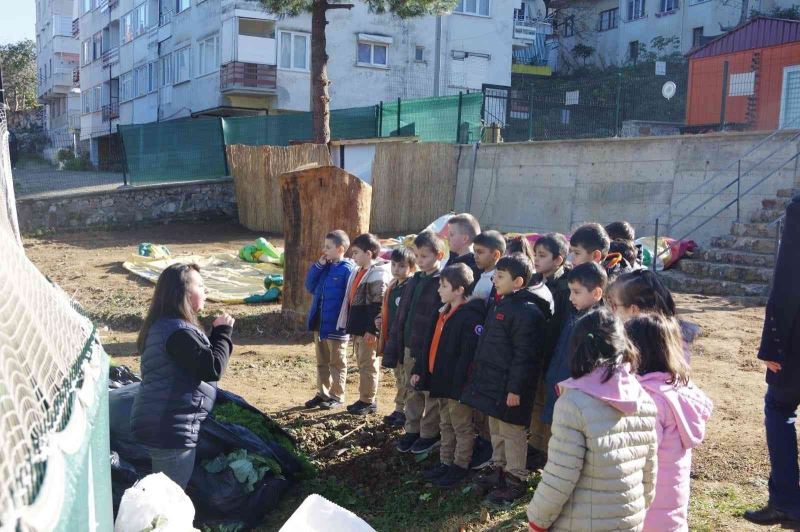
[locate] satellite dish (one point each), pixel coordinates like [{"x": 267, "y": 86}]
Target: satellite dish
[{"x": 668, "y": 89}]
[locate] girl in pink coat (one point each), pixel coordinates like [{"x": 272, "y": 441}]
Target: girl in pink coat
[{"x": 683, "y": 410}]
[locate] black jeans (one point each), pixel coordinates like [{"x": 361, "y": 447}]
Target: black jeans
[{"x": 780, "y": 416}]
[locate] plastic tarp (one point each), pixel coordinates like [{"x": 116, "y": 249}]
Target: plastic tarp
[
  {"x": 670, "y": 251},
  {"x": 318, "y": 514},
  {"x": 228, "y": 278}
]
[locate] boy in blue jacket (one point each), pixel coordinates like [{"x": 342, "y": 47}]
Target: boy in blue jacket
[{"x": 327, "y": 280}]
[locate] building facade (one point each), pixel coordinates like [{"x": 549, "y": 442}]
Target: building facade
[
  {"x": 622, "y": 31},
  {"x": 57, "y": 56},
  {"x": 150, "y": 60}
]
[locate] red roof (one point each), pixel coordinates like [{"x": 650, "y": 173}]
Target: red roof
[{"x": 759, "y": 32}]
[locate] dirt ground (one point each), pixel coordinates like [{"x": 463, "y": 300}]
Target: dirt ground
[{"x": 274, "y": 370}]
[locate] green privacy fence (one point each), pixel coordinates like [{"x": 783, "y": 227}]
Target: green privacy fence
[{"x": 193, "y": 149}]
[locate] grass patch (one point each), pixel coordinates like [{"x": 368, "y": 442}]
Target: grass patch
[{"x": 720, "y": 506}]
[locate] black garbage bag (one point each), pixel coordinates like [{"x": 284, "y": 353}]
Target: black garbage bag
[
  {"x": 123, "y": 476},
  {"x": 216, "y": 496},
  {"x": 119, "y": 376}
]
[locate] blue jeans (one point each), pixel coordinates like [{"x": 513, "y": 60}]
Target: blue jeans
[
  {"x": 177, "y": 464},
  {"x": 780, "y": 413}
]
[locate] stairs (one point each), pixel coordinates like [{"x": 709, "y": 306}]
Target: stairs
[{"x": 739, "y": 265}]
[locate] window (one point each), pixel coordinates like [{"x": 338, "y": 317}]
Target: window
[
  {"x": 697, "y": 36},
  {"x": 87, "y": 5},
  {"x": 668, "y": 6},
  {"x": 208, "y": 55},
  {"x": 569, "y": 26},
  {"x": 608, "y": 19},
  {"x": 419, "y": 53},
  {"x": 181, "y": 5},
  {"x": 87, "y": 102},
  {"x": 152, "y": 77},
  {"x": 140, "y": 20},
  {"x": 635, "y": 9},
  {"x": 633, "y": 50},
  {"x": 257, "y": 28},
  {"x": 181, "y": 69},
  {"x": 140, "y": 81},
  {"x": 97, "y": 45},
  {"x": 86, "y": 52},
  {"x": 372, "y": 54},
  {"x": 790, "y": 98},
  {"x": 165, "y": 74},
  {"x": 742, "y": 84},
  {"x": 126, "y": 28},
  {"x": 126, "y": 86},
  {"x": 97, "y": 100},
  {"x": 294, "y": 50},
  {"x": 473, "y": 7}
]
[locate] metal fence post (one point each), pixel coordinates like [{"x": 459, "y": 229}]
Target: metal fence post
[
  {"x": 399, "y": 101},
  {"x": 224, "y": 150},
  {"x": 458, "y": 120},
  {"x": 724, "y": 95},
  {"x": 380, "y": 119},
  {"x": 738, "y": 186},
  {"x": 655, "y": 249},
  {"x": 124, "y": 158},
  {"x": 619, "y": 95},
  {"x": 530, "y": 111}
]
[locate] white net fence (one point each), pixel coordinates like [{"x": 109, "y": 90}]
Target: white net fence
[{"x": 44, "y": 345}]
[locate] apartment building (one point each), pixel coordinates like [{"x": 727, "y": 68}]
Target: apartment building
[
  {"x": 57, "y": 56},
  {"x": 150, "y": 60},
  {"x": 620, "y": 30}
]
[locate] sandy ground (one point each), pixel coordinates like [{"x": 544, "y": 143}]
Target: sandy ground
[{"x": 275, "y": 371}]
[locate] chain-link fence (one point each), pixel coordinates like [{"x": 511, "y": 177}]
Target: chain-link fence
[{"x": 588, "y": 107}]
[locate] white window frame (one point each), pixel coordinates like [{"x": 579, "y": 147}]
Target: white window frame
[
  {"x": 152, "y": 77},
  {"x": 141, "y": 80},
  {"x": 184, "y": 53},
  {"x": 462, "y": 8},
  {"x": 165, "y": 76},
  {"x": 292, "y": 36},
  {"x": 126, "y": 86},
  {"x": 202, "y": 50},
  {"x": 185, "y": 3},
  {"x": 140, "y": 24},
  {"x": 668, "y": 6},
  {"x": 419, "y": 53},
  {"x": 611, "y": 18},
  {"x": 125, "y": 24},
  {"x": 372, "y": 45},
  {"x": 97, "y": 46},
  {"x": 86, "y": 52},
  {"x": 782, "y": 121},
  {"x": 633, "y": 13}
]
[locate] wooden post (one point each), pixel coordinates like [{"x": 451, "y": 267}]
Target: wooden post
[{"x": 315, "y": 202}]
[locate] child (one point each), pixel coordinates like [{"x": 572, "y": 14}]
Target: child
[
  {"x": 586, "y": 285},
  {"x": 462, "y": 230},
  {"x": 444, "y": 373},
  {"x": 682, "y": 414},
  {"x": 327, "y": 280},
  {"x": 589, "y": 243},
  {"x": 520, "y": 244},
  {"x": 642, "y": 291},
  {"x": 404, "y": 264},
  {"x": 507, "y": 360},
  {"x": 624, "y": 231},
  {"x": 601, "y": 467},
  {"x": 550, "y": 254},
  {"x": 410, "y": 337},
  {"x": 489, "y": 248},
  {"x": 365, "y": 289},
  {"x": 180, "y": 370}
]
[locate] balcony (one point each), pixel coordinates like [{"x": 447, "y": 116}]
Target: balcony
[
  {"x": 528, "y": 29},
  {"x": 74, "y": 120},
  {"x": 248, "y": 78},
  {"x": 258, "y": 50},
  {"x": 76, "y": 27},
  {"x": 110, "y": 57},
  {"x": 58, "y": 82},
  {"x": 76, "y": 77},
  {"x": 110, "y": 111}
]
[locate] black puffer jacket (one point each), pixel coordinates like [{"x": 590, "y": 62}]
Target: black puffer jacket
[
  {"x": 457, "y": 345},
  {"x": 509, "y": 357},
  {"x": 173, "y": 398},
  {"x": 422, "y": 321}
]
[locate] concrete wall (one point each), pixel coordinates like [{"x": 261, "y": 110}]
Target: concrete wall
[
  {"x": 557, "y": 186},
  {"x": 157, "y": 203}
]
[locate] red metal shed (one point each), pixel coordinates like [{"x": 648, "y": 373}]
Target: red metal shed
[{"x": 757, "y": 65}]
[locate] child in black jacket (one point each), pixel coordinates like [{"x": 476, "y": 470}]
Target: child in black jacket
[{"x": 444, "y": 373}]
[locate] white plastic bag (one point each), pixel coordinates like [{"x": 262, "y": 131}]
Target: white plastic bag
[
  {"x": 318, "y": 514},
  {"x": 155, "y": 504}
]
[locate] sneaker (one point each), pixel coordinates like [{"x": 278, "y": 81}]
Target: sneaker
[
  {"x": 454, "y": 476},
  {"x": 315, "y": 402},
  {"x": 392, "y": 419},
  {"x": 481, "y": 454},
  {"x": 423, "y": 445},
  {"x": 491, "y": 477},
  {"x": 769, "y": 515},
  {"x": 514, "y": 489},
  {"x": 331, "y": 404},
  {"x": 399, "y": 420},
  {"x": 407, "y": 440},
  {"x": 437, "y": 471},
  {"x": 360, "y": 408}
]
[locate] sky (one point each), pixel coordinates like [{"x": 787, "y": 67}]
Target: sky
[{"x": 18, "y": 20}]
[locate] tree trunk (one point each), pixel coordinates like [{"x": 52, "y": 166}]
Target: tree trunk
[
  {"x": 315, "y": 202},
  {"x": 320, "y": 98}
]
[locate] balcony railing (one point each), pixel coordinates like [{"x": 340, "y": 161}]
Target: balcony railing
[
  {"x": 529, "y": 28},
  {"x": 76, "y": 27},
  {"x": 76, "y": 77},
  {"x": 74, "y": 120},
  {"x": 248, "y": 77},
  {"x": 110, "y": 57},
  {"x": 165, "y": 17},
  {"x": 110, "y": 111}
]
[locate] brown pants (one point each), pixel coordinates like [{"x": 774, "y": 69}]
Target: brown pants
[
  {"x": 331, "y": 367},
  {"x": 539, "y": 435},
  {"x": 369, "y": 369},
  {"x": 509, "y": 447},
  {"x": 458, "y": 433},
  {"x": 402, "y": 388},
  {"x": 422, "y": 411}
]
